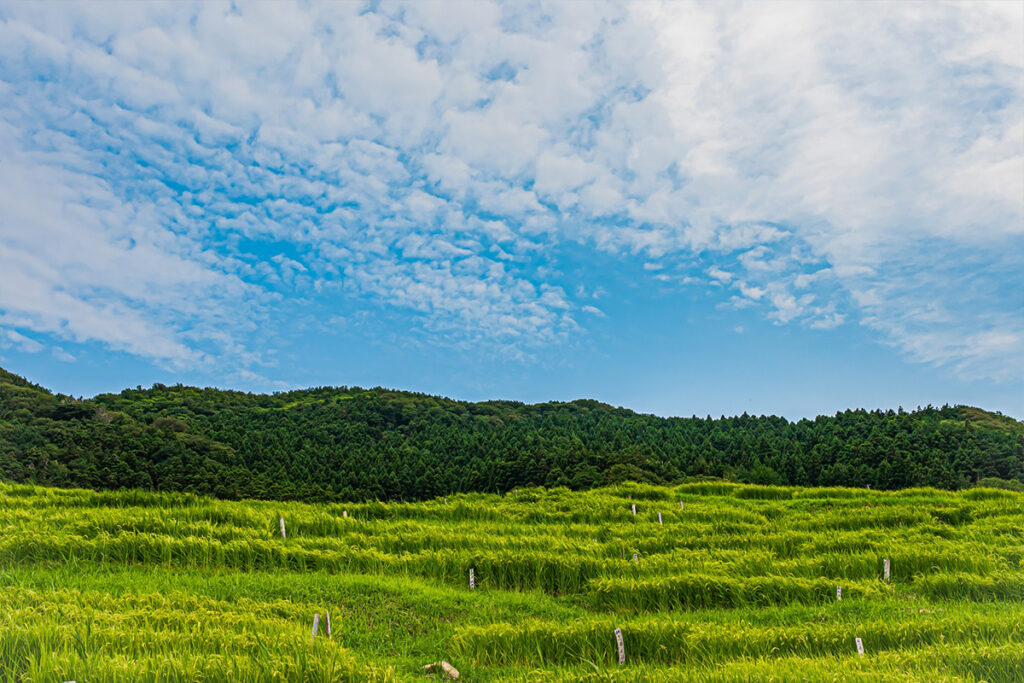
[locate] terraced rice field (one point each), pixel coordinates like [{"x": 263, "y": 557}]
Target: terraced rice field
[{"x": 734, "y": 583}]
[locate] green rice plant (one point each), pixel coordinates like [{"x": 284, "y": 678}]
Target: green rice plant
[
  {"x": 738, "y": 584},
  {"x": 964, "y": 586},
  {"x": 664, "y": 640},
  {"x": 697, "y": 591}
]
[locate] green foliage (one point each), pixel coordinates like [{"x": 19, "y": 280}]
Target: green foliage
[
  {"x": 997, "y": 483},
  {"x": 348, "y": 444}
]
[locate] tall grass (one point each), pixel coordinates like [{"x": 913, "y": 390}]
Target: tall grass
[{"x": 737, "y": 584}]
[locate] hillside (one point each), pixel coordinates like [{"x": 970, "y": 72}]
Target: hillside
[
  {"x": 705, "y": 582},
  {"x": 349, "y": 443}
]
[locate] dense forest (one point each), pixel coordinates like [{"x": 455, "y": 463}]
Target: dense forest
[{"x": 349, "y": 443}]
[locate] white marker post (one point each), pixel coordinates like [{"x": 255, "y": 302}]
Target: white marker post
[
  {"x": 633, "y": 508},
  {"x": 635, "y": 558},
  {"x": 316, "y": 623},
  {"x": 281, "y": 520},
  {"x": 885, "y": 569},
  {"x": 344, "y": 513},
  {"x": 659, "y": 519},
  {"x": 328, "y": 624},
  {"x": 622, "y": 648},
  {"x": 839, "y": 592},
  {"x": 680, "y": 505},
  {"x": 472, "y": 580},
  {"x": 860, "y": 646}
]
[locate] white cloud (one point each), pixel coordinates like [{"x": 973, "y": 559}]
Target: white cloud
[
  {"x": 720, "y": 275},
  {"x": 750, "y": 292},
  {"x": 823, "y": 161},
  {"x": 21, "y": 342},
  {"x": 82, "y": 264},
  {"x": 561, "y": 172}
]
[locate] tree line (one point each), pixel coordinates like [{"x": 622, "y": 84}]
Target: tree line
[{"x": 350, "y": 443}]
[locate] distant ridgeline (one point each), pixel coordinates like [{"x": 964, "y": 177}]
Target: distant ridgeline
[{"x": 343, "y": 443}]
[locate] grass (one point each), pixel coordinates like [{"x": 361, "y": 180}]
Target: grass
[{"x": 737, "y": 584}]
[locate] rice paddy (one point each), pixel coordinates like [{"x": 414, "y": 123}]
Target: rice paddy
[{"x": 706, "y": 581}]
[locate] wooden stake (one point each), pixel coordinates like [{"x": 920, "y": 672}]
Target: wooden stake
[
  {"x": 860, "y": 646},
  {"x": 472, "y": 580},
  {"x": 885, "y": 569},
  {"x": 622, "y": 648},
  {"x": 839, "y": 592},
  {"x": 316, "y": 623},
  {"x": 328, "y": 624},
  {"x": 633, "y": 507},
  {"x": 281, "y": 520},
  {"x": 659, "y": 519}
]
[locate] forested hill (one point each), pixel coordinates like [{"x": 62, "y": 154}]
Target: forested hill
[{"x": 339, "y": 443}]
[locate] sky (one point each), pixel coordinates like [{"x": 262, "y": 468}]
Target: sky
[{"x": 681, "y": 208}]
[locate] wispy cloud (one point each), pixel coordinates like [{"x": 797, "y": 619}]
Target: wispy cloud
[
  {"x": 21, "y": 342},
  {"x": 178, "y": 178}
]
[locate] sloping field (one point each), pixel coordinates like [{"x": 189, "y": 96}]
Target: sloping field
[{"x": 732, "y": 583}]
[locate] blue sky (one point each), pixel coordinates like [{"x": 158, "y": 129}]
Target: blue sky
[{"x": 680, "y": 208}]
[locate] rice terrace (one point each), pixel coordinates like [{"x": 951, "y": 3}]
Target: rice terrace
[
  {"x": 706, "y": 581},
  {"x": 544, "y": 341},
  {"x": 184, "y": 534}
]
